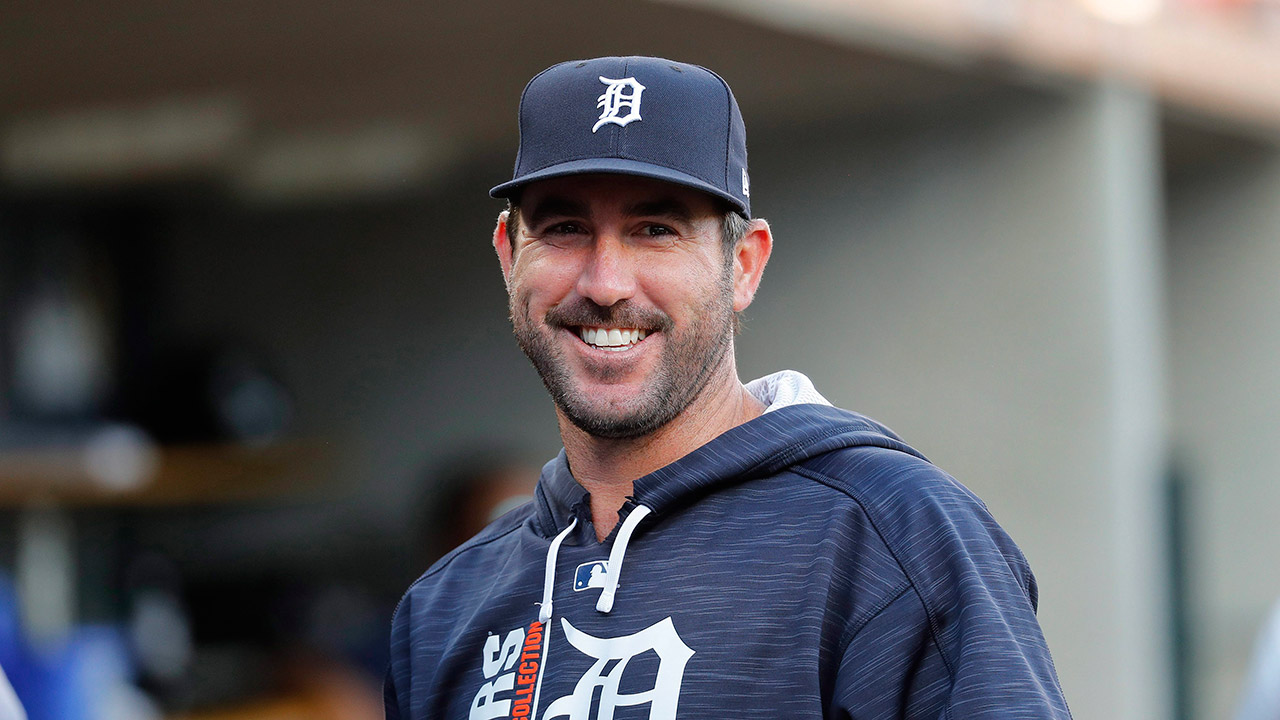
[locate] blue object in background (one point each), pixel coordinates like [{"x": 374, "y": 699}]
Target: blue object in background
[
  {"x": 13, "y": 651},
  {"x": 86, "y": 676}
]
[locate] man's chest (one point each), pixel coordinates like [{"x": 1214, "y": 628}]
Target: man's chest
[{"x": 694, "y": 631}]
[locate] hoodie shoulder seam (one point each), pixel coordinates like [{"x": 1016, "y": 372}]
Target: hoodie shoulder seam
[
  {"x": 797, "y": 451},
  {"x": 866, "y": 618},
  {"x": 843, "y": 487}
]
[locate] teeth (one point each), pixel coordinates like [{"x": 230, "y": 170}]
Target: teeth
[{"x": 612, "y": 338}]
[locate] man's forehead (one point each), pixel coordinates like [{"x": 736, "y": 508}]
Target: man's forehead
[{"x": 631, "y": 195}]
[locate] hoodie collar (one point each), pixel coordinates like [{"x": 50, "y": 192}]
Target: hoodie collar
[
  {"x": 558, "y": 496},
  {"x": 798, "y": 424}
]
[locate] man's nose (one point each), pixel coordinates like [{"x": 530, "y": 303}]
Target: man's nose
[{"x": 608, "y": 277}]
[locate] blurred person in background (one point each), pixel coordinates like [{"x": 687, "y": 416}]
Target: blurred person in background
[
  {"x": 700, "y": 545},
  {"x": 1261, "y": 699},
  {"x": 472, "y": 489}
]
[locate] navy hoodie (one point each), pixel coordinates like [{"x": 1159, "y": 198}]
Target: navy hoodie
[{"x": 805, "y": 564}]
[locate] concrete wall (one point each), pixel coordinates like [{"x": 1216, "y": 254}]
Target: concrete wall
[{"x": 1224, "y": 233}]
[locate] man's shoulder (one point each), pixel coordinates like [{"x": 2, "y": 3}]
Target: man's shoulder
[
  {"x": 855, "y": 459},
  {"x": 862, "y": 458},
  {"x": 922, "y": 514},
  {"x": 879, "y": 476}
]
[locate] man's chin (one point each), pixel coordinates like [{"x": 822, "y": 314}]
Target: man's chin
[
  {"x": 615, "y": 422},
  {"x": 613, "y": 427}
]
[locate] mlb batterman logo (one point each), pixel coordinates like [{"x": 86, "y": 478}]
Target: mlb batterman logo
[
  {"x": 590, "y": 575},
  {"x": 618, "y": 95}
]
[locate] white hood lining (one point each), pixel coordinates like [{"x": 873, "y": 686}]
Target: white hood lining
[{"x": 783, "y": 388}]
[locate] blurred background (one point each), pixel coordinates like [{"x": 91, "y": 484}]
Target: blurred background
[{"x": 256, "y": 372}]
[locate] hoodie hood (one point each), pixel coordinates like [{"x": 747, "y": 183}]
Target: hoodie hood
[{"x": 798, "y": 424}]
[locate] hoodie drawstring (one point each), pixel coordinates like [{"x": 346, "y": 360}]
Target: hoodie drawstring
[
  {"x": 616, "y": 555},
  {"x": 605, "y": 603},
  {"x": 549, "y": 579}
]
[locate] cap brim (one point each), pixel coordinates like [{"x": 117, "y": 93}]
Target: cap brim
[{"x": 617, "y": 166}]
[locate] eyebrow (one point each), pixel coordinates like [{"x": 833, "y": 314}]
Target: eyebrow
[
  {"x": 662, "y": 207},
  {"x": 556, "y": 206}
]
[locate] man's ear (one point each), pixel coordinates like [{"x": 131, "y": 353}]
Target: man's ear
[
  {"x": 749, "y": 258},
  {"x": 502, "y": 245}
]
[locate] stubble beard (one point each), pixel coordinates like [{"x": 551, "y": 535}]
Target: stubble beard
[{"x": 690, "y": 356}]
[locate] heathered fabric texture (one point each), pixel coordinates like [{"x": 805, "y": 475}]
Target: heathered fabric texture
[{"x": 805, "y": 564}]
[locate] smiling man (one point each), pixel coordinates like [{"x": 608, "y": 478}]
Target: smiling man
[{"x": 782, "y": 557}]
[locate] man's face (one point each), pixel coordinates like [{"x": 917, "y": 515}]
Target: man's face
[{"x": 621, "y": 297}]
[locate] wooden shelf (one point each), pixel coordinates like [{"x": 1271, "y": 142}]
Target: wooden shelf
[{"x": 185, "y": 475}]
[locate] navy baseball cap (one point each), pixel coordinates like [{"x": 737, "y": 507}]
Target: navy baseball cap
[{"x": 633, "y": 116}]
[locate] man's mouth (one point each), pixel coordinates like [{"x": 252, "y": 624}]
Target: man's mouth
[{"x": 613, "y": 339}]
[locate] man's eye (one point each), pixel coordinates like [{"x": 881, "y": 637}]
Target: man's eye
[
  {"x": 564, "y": 228},
  {"x": 658, "y": 230}
]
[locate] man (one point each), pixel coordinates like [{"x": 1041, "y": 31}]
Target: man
[{"x": 700, "y": 548}]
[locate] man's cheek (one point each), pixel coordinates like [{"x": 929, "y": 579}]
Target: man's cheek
[{"x": 518, "y": 304}]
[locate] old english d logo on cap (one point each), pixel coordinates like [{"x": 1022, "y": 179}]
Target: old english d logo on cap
[
  {"x": 618, "y": 94},
  {"x": 642, "y": 116}
]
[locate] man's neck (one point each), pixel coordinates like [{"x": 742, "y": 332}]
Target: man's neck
[{"x": 608, "y": 468}]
